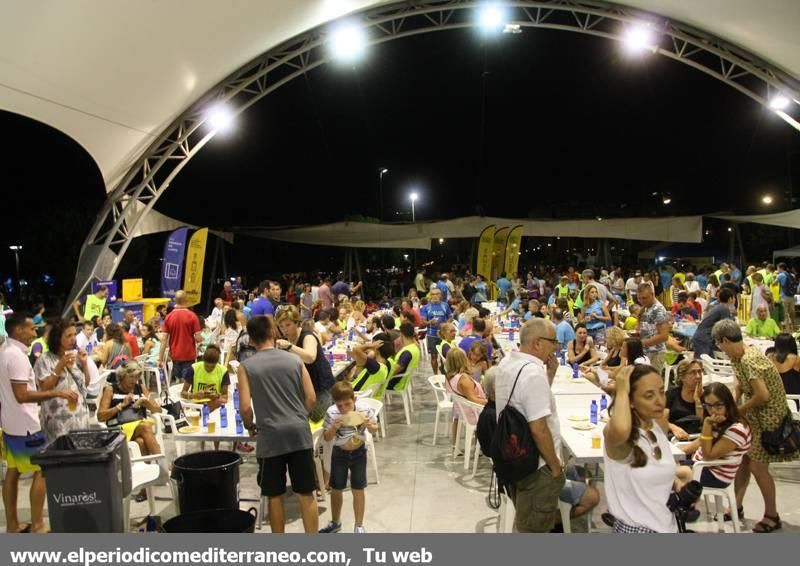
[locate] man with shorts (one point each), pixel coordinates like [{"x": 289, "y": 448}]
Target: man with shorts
[
  {"x": 19, "y": 418},
  {"x": 182, "y": 332},
  {"x": 433, "y": 314},
  {"x": 280, "y": 386}
]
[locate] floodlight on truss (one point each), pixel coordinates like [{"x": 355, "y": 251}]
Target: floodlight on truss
[
  {"x": 779, "y": 102},
  {"x": 639, "y": 38},
  {"x": 348, "y": 42},
  {"x": 491, "y": 17},
  {"x": 220, "y": 118}
]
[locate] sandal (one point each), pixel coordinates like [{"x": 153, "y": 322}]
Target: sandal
[
  {"x": 727, "y": 516},
  {"x": 762, "y": 527}
]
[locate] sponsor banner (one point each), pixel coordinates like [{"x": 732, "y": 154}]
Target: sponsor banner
[
  {"x": 485, "y": 246},
  {"x": 513, "y": 250},
  {"x": 195, "y": 258},
  {"x": 172, "y": 263}
]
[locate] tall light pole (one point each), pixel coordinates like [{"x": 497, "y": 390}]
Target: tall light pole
[
  {"x": 414, "y": 196},
  {"x": 16, "y": 249},
  {"x": 381, "y": 173}
]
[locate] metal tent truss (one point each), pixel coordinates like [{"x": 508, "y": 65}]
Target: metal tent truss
[{"x": 135, "y": 195}]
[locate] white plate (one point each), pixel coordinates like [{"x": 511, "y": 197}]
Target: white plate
[{"x": 582, "y": 426}]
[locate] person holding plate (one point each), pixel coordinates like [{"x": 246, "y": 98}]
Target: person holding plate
[{"x": 345, "y": 424}]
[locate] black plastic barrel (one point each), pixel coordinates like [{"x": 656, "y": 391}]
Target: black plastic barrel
[
  {"x": 213, "y": 521},
  {"x": 207, "y": 480}
]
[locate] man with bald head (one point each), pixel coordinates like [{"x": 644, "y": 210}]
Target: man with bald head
[
  {"x": 762, "y": 326},
  {"x": 533, "y": 368},
  {"x": 182, "y": 329}
]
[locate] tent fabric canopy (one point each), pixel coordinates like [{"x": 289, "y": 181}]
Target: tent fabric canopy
[
  {"x": 788, "y": 252},
  {"x": 113, "y": 75},
  {"x": 788, "y": 219},
  {"x": 419, "y": 235}
]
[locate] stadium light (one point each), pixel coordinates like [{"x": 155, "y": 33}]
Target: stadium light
[
  {"x": 767, "y": 199},
  {"x": 639, "y": 38},
  {"x": 220, "y": 118},
  {"x": 779, "y": 102},
  {"x": 348, "y": 43},
  {"x": 491, "y": 17}
]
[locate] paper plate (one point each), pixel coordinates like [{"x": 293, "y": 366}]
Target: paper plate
[
  {"x": 353, "y": 418},
  {"x": 578, "y": 380},
  {"x": 203, "y": 400},
  {"x": 583, "y": 426},
  {"x": 189, "y": 429},
  {"x": 577, "y": 418}
]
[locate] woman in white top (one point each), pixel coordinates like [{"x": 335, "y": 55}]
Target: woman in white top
[{"x": 639, "y": 469}]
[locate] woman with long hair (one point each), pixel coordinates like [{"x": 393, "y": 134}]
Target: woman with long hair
[
  {"x": 594, "y": 314},
  {"x": 459, "y": 381},
  {"x": 114, "y": 346},
  {"x": 787, "y": 362},
  {"x": 151, "y": 344},
  {"x": 639, "y": 469},
  {"x": 581, "y": 350}
]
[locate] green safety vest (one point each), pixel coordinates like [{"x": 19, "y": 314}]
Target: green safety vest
[
  {"x": 414, "y": 350},
  {"x": 364, "y": 380},
  {"x": 41, "y": 341},
  {"x": 562, "y": 290},
  {"x": 440, "y": 345},
  {"x": 579, "y": 299},
  {"x": 202, "y": 379},
  {"x": 94, "y": 307},
  {"x": 342, "y": 324}
]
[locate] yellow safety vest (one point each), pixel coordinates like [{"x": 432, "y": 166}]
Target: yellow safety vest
[
  {"x": 94, "y": 307},
  {"x": 202, "y": 379}
]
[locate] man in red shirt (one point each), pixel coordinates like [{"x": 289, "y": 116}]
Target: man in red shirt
[
  {"x": 182, "y": 330},
  {"x": 133, "y": 344}
]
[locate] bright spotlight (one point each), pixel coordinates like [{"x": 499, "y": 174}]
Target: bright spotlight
[
  {"x": 491, "y": 17},
  {"x": 441, "y": 240},
  {"x": 413, "y": 196},
  {"x": 666, "y": 200},
  {"x": 730, "y": 229},
  {"x": 779, "y": 102},
  {"x": 639, "y": 38},
  {"x": 220, "y": 118},
  {"x": 766, "y": 199},
  {"x": 348, "y": 42}
]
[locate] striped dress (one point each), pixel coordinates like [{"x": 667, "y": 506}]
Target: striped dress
[{"x": 739, "y": 433}]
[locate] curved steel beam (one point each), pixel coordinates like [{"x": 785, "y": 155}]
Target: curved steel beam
[{"x": 134, "y": 197}]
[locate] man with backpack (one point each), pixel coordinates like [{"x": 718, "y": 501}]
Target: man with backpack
[
  {"x": 788, "y": 286},
  {"x": 523, "y": 393}
]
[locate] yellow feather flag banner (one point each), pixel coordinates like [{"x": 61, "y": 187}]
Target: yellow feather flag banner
[
  {"x": 485, "y": 247},
  {"x": 513, "y": 249},
  {"x": 499, "y": 251},
  {"x": 195, "y": 258}
]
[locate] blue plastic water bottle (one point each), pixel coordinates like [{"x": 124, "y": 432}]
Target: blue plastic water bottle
[
  {"x": 511, "y": 333},
  {"x": 351, "y": 336},
  {"x": 223, "y": 416},
  {"x": 575, "y": 370},
  {"x": 603, "y": 402},
  {"x": 239, "y": 424},
  {"x": 205, "y": 415},
  {"x": 236, "y": 398},
  {"x": 562, "y": 357},
  {"x": 593, "y": 412}
]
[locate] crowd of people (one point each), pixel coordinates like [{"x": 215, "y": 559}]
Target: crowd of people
[{"x": 616, "y": 328}]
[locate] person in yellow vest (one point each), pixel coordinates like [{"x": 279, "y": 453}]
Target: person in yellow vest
[
  {"x": 372, "y": 364},
  {"x": 407, "y": 358},
  {"x": 562, "y": 289},
  {"x": 762, "y": 326},
  {"x": 39, "y": 346},
  {"x": 767, "y": 273},
  {"x": 748, "y": 279},
  {"x": 95, "y": 304},
  {"x": 207, "y": 379},
  {"x": 447, "y": 333}
]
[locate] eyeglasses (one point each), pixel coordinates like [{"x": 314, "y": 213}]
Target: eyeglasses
[
  {"x": 708, "y": 406},
  {"x": 651, "y": 438},
  {"x": 551, "y": 340}
]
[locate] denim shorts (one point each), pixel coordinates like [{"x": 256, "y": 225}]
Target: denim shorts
[{"x": 353, "y": 461}]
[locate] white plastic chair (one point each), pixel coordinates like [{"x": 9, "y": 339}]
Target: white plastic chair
[
  {"x": 718, "y": 494},
  {"x": 366, "y": 393},
  {"x": 404, "y": 394},
  {"x": 376, "y": 406},
  {"x": 716, "y": 369},
  {"x": 146, "y": 472},
  {"x": 444, "y": 404},
  {"x": 464, "y": 407}
]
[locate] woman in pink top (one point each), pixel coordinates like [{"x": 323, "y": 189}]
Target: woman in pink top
[{"x": 459, "y": 382}]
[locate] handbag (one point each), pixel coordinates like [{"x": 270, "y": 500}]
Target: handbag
[
  {"x": 175, "y": 410},
  {"x": 783, "y": 440}
]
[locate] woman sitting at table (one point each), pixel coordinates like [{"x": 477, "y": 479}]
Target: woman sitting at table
[
  {"x": 447, "y": 333},
  {"x": 615, "y": 338},
  {"x": 372, "y": 364},
  {"x": 478, "y": 362},
  {"x": 684, "y": 407},
  {"x": 581, "y": 350},
  {"x": 308, "y": 348},
  {"x": 151, "y": 345},
  {"x": 631, "y": 353},
  {"x": 639, "y": 469},
  {"x": 459, "y": 381},
  {"x": 787, "y": 362},
  {"x": 207, "y": 379},
  {"x": 114, "y": 348}
]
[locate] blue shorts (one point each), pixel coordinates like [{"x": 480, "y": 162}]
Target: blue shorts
[
  {"x": 433, "y": 341},
  {"x": 574, "y": 487},
  {"x": 352, "y": 461}
]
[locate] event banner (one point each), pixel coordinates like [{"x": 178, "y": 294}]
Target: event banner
[
  {"x": 467, "y": 549},
  {"x": 513, "y": 249},
  {"x": 485, "y": 246},
  {"x": 499, "y": 252},
  {"x": 172, "y": 263},
  {"x": 195, "y": 258}
]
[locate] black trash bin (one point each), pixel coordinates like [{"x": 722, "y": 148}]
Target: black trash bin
[
  {"x": 207, "y": 480},
  {"x": 88, "y": 475},
  {"x": 214, "y": 521}
]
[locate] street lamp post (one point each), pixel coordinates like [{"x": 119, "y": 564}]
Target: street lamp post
[
  {"x": 16, "y": 249},
  {"x": 381, "y": 173},
  {"x": 414, "y": 196}
]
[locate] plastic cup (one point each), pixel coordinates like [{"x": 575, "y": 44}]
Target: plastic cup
[
  {"x": 212, "y": 427},
  {"x": 72, "y": 405},
  {"x": 596, "y": 439},
  {"x": 194, "y": 419}
]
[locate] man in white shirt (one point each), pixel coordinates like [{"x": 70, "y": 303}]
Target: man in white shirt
[
  {"x": 536, "y": 496},
  {"x": 19, "y": 419},
  {"x": 632, "y": 284},
  {"x": 215, "y": 320}
]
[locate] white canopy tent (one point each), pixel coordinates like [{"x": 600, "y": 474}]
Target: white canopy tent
[
  {"x": 419, "y": 235},
  {"x": 788, "y": 219},
  {"x": 788, "y": 252}
]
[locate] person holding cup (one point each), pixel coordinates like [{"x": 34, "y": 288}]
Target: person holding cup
[{"x": 64, "y": 368}]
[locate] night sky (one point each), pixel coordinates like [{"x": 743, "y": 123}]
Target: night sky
[{"x": 573, "y": 127}]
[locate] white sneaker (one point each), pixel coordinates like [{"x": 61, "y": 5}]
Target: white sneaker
[{"x": 360, "y": 530}]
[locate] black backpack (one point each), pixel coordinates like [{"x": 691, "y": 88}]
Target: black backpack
[
  {"x": 789, "y": 285},
  {"x": 513, "y": 451},
  {"x": 243, "y": 348}
]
